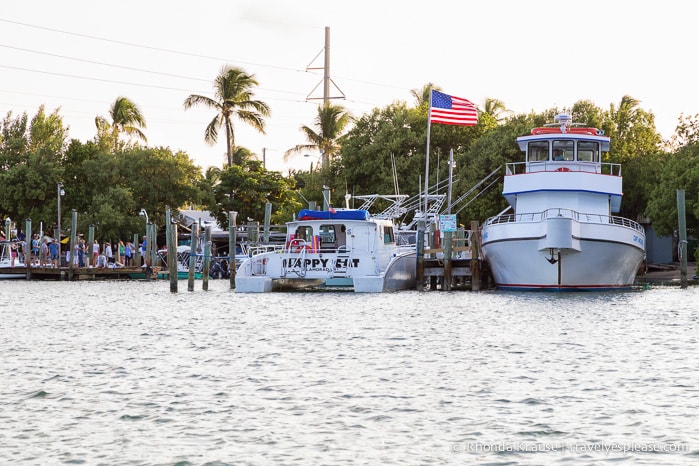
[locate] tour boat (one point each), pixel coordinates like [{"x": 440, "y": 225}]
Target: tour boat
[
  {"x": 561, "y": 234},
  {"x": 332, "y": 248}
]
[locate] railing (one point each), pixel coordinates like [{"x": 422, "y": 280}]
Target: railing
[
  {"x": 536, "y": 217},
  {"x": 518, "y": 168}
]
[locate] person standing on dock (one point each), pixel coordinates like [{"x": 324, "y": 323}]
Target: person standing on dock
[
  {"x": 80, "y": 247},
  {"x": 13, "y": 252},
  {"x": 44, "y": 253},
  {"x": 35, "y": 249},
  {"x": 108, "y": 254},
  {"x": 121, "y": 251},
  {"x": 95, "y": 252},
  {"x": 128, "y": 252},
  {"x": 53, "y": 252}
]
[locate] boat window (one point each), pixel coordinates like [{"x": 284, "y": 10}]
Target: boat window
[
  {"x": 588, "y": 151},
  {"x": 538, "y": 151},
  {"x": 388, "y": 235},
  {"x": 327, "y": 234},
  {"x": 304, "y": 233},
  {"x": 563, "y": 150}
]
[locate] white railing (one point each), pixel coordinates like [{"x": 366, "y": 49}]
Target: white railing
[
  {"x": 518, "y": 168},
  {"x": 536, "y": 217}
]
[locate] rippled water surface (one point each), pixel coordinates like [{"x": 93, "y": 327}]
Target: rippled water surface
[{"x": 129, "y": 373}]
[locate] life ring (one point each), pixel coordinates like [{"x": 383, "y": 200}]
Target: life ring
[
  {"x": 563, "y": 169},
  {"x": 302, "y": 248}
]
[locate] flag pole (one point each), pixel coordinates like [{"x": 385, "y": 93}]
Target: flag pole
[{"x": 427, "y": 155}]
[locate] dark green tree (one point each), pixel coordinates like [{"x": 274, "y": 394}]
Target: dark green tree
[
  {"x": 679, "y": 170},
  {"x": 246, "y": 189}
]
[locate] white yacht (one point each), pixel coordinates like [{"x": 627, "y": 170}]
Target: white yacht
[{"x": 560, "y": 232}]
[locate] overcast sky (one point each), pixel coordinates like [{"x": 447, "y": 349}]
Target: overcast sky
[{"x": 533, "y": 55}]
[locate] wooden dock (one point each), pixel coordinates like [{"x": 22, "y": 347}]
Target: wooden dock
[
  {"x": 454, "y": 262},
  {"x": 76, "y": 273}
]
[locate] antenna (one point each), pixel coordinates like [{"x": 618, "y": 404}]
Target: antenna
[{"x": 327, "y": 80}]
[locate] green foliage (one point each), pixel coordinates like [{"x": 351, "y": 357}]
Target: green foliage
[
  {"x": 678, "y": 171},
  {"x": 108, "y": 185},
  {"x": 246, "y": 189}
]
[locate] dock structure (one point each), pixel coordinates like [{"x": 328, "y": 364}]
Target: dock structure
[
  {"x": 78, "y": 273},
  {"x": 454, "y": 261}
]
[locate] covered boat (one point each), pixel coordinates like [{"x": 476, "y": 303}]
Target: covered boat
[
  {"x": 339, "y": 247},
  {"x": 559, "y": 232}
]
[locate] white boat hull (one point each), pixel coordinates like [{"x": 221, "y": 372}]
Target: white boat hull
[
  {"x": 283, "y": 270},
  {"x": 563, "y": 255}
]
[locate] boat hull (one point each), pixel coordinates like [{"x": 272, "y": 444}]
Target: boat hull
[
  {"x": 576, "y": 257},
  {"x": 290, "y": 271}
]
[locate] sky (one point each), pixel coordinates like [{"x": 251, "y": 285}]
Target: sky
[{"x": 80, "y": 56}]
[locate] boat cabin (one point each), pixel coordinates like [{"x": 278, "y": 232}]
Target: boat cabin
[
  {"x": 564, "y": 146},
  {"x": 339, "y": 231}
]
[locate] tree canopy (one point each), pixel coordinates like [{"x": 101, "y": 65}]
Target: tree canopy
[{"x": 380, "y": 152}]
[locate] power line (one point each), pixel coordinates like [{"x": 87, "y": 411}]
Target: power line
[
  {"x": 104, "y": 64},
  {"x": 177, "y": 52},
  {"x": 148, "y": 47}
]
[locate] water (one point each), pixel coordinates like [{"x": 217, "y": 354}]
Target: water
[{"x": 129, "y": 373}]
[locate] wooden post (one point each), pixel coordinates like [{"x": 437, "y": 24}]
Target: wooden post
[
  {"x": 682, "y": 245},
  {"x": 73, "y": 238},
  {"x": 90, "y": 240},
  {"x": 194, "y": 239},
  {"x": 232, "y": 245},
  {"x": 137, "y": 251},
  {"x": 146, "y": 253},
  {"x": 153, "y": 246},
  {"x": 27, "y": 247},
  {"x": 420, "y": 249},
  {"x": 475, "y": 257},
  {"x": 268, "y": 216},
  {"x": 446, "y": 278},
  {"x": 207, "y": 258},
  {"x": 171, "y": 243}
]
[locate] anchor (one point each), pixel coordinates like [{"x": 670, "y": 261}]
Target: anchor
[{"x": 552, "y": 260}]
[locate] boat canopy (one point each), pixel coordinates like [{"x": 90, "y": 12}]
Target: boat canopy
[{"x": 339, "y": 214}]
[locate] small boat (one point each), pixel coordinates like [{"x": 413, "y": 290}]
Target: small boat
[
  {"x": 338, "y": 248},
  {"x": 7, "y": 268},
  {"x": 561, "y": 234}
]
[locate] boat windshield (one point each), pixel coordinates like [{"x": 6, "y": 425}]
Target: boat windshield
[{"x": 563, "y": 150}]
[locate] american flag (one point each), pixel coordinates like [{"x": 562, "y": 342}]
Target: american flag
[{"x": 450, "y": 110}]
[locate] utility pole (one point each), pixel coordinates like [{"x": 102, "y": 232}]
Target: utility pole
[{"x": 327, "y": 80}]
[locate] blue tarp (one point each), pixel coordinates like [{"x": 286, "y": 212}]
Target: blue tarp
[{"x": 354, "y": 214}]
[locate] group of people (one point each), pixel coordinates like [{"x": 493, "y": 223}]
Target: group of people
[
  {"x": 44, "y": 252},
  {"x": 119, "y": 254},
  {"x": 36, "y": 252}
]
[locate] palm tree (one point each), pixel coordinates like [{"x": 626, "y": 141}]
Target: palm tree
[
  {"x": 233, "y": 97},
  {"x": 330, "y": 123},
  {"x": 125, "y": 117},
  {"x": 496, "y": 108},
  {"x": 422, "y": 96}
]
